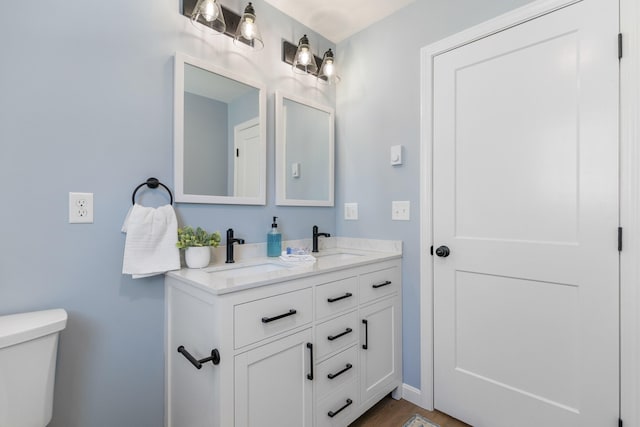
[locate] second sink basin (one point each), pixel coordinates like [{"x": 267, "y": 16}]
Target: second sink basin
[
  {"x": 341, "y": 256},
  {"x": 245, "y": 270}
]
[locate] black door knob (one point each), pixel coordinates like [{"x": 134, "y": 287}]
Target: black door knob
[{"x": 442, "y": 251}]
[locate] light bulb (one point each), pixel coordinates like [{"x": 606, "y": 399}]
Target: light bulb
[
  {"x": 328, "y": 68},
  {"x": 208, "y": 10},
  {"x": 248, "y": 28},
  {"x": 304, "y": 57}
]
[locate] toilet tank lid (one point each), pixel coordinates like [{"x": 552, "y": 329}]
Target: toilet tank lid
[{"x": 21, "y": 327}]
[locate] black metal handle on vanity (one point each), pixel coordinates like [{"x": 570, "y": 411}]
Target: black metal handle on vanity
[
  {"x": 333, "y": 414},
  {"x": 214, "y": 358},
  {"x": 381, "y": 284},
  {"x": 271, "y": 319},
  {"x": 335, "y": 337},
  {"x": 310, "y": 347},
  {"x": 366, "y": 334},
  {"x": 346, "y": 368},
  {"x": 347, "y": 295}
]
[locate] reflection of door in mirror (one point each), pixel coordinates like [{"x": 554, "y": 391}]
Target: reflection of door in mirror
[
  {"x": 247, "y": 158},
  {"x": 220, "y": 146}
]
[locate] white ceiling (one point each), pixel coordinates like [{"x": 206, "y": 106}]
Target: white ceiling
[{"x": 338, "y": 19}]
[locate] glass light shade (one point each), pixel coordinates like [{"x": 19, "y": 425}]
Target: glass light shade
[
  {"x": 328, "y": 69},
  {"x": 209, "y": 14},
  {"x": 247, "y": 32},
  {"x": 304, "y": 61}
]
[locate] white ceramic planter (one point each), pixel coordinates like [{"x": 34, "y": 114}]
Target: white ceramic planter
[{"x": 197, "y": 256}]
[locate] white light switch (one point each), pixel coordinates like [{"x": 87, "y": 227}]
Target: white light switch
[
  {"x": 351, "y": 211},
  {"x": 295, "y": 170},
  {"x": 400, "y": 210},
  {"x": 396, "y": 155}
]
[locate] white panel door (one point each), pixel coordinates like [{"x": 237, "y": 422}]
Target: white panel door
[
  {"x": 247, "y": 160},
  {"x": 525, "y": 196}
]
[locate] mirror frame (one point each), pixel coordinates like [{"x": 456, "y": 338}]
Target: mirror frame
[
  {"x": 281, "y": 151},
  {"x": 178, "y": 134}
]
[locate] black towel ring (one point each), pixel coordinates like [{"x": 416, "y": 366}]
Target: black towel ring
[{"x": 151, "y": 183}]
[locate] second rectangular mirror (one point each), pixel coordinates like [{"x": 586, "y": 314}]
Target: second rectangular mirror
[
  {"x": 304, "y": 152},
  {"x": 220, "y": 137}
]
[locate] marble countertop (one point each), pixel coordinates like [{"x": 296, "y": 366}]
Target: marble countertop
[{"x": 250, "y": 271}]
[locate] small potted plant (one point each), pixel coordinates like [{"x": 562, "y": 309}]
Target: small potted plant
[{"x": 197, "y": 245}]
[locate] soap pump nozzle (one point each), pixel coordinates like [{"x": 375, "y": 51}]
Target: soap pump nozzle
[{"x": 274, "y": 224}]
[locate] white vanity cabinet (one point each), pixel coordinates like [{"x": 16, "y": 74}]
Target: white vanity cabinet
[{"x": 318, "y": 349}]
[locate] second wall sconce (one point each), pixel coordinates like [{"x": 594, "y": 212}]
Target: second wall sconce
[
  {"x": 303, "y": 61},
  {"x": 213, "y": 16}
]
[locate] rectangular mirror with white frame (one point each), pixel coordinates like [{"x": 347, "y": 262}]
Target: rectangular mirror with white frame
[
  {"x": 304, "y": 152},
  {"x": 219, "y": 135}
]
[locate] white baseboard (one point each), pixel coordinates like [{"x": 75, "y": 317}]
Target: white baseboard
[{"x": 412, "y": 394}]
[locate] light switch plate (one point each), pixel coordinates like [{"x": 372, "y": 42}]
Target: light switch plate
[
  {"x": 351, "y": 211},
  {"x": 400, "y": 210},
  {"x": 396, "y": 155}
]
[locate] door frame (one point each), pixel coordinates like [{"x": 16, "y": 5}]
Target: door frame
[{"x": 629, "y": 209}]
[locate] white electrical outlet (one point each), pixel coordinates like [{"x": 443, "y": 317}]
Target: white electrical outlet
[
  {"x": 351, "y": 211},
  {"x": 400, "y": 211},
  {"x": 80, "y": 208}
]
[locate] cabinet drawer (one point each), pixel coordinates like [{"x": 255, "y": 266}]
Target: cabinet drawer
[
  {"x": 334, "y": 297},
  {"x": 379, "y": 283},
  {"x": 260, "y": 319},
  {"x": 335, "y": 334},
  {"x": 336, "y": 371},
  {"x": 339, "y": 408}
]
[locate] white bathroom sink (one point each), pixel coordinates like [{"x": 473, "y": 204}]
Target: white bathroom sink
[
  {"x": 341, "y": 256},
  {"x": 245, "y": 270}
]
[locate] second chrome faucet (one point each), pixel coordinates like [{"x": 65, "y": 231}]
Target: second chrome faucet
[{"x": 230, "y": 241}]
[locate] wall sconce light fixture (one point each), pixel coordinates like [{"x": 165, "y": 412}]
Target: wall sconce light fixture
[
  {"x": 303, "y": 61},
  {"x": 211, "y": 14},
  {"x": 328, "y": 69},
  {"x": 247, "y": 31}
]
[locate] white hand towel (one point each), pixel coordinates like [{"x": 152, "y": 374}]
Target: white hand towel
[{"x": 150, "y": 246}]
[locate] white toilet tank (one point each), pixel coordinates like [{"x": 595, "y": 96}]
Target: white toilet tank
[{"x": 28, "y": 348}]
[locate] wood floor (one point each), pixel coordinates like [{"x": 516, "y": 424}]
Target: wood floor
[{"x": 394, "y": 413}]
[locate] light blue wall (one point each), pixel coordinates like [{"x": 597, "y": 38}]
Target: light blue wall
[
  {"x": 378, "y": 105},
  {"x": 307, "y": 143},
  {"x": 86, "y": 104},
  {"x": 206, "y": 143}
]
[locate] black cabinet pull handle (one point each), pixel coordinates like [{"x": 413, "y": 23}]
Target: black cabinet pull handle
[
  {"x": 332, "y": 376},
  {"x": 381, "y": 284},
  {"x": 347, "y": 295},
  {"x": 271, "y": 319},
  {"x": 334, "y": 337},
  {"x": 366, "y": 334},
  {"x": 214, "y": 358},
  {"x": 310, "y": 347},
  {"x": 333, "y": 414}
]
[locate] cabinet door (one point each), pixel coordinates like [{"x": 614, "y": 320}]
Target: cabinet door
[
  {"x": 272, "y": 386},
  {"x": 380, "y": 348}
]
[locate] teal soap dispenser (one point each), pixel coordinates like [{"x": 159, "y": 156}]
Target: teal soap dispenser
[{"x": 274, "y": 240}]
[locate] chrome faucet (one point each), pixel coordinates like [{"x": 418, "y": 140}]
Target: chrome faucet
[
  {"x": 230, "y": 241},
  {"x": 315, "y": 238}
]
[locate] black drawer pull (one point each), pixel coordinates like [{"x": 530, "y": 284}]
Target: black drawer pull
[
  {"x": 347, "y": 295},
  {"x": 381, "y": 284},
  {"x": 310, "y": 347},
  {"x": 365, "y": 346},
  {"x": 333, "y": 414},
  {"x": 214, "y": 358},
  {"x": 335, "y": 337},
  {"x": 332, "y": 376},
  {"x": 271, "y": 319}
]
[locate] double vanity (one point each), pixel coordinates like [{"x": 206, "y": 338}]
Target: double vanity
[{"x": 264, "y": 342}]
